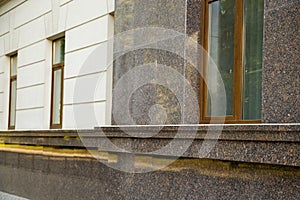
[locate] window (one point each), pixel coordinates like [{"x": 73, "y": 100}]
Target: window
[
  {"x": 233, "y": 37},
  {"x": 58, "y": 58},
  {"x": 13, "y": 92}
]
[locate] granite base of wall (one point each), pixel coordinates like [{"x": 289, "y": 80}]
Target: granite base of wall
[
  {"x": 246, "y": 162},
  {"x": 37, "y": 176}
]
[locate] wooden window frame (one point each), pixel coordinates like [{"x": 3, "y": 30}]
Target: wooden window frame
[
  {"x": 12, "y": 78},
  {"x": 58, "y": 66},
  {"x": 237, "y": 116}
]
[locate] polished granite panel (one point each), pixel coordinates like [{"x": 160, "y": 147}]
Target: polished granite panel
[
  {"x": 168, "y": 14},
  {"x": 247, "y": 162},
  {"x": 280, "y": 65},
  {"x": 140, "y": 96},
  {"x": 85, "y": 178},
  {"x": 192, "y": 66},
  {"x": 172, "y": 14},
  {"x": 141, "y": 102},
  {"x": 194, "y": 19},
  {"x": 168, "y": 48},
  {"x": 281, "y": 71},
  {"x": 271, "y": 144},
  {"x": 279, "y": 4},
  {"x": 170, "y": 86},
  {"x": 153, "y": 102}
]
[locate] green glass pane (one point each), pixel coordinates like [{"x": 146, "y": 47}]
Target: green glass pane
[
  {"x": 252, "y": 92},
  {"x": 13, "y": 65},
  {"x": 221, "y": 51},
  {"x": 57, "y": 81},
  {"x": 13, "y": 103},
  {"x": 59, "y": 51}
]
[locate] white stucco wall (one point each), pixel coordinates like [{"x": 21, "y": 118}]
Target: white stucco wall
[{"x": 27, "y": 28}]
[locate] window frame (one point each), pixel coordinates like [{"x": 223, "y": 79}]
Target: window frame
[
  {"x": 55, "y": 67},
  {"x": 239, "y": 32},
  {"x": 12, "y": 78}
]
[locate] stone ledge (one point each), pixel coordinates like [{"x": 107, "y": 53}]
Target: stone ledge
[{"x": 277, "y": 144}]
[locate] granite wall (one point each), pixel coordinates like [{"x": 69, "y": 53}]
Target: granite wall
[
  {"x": 247, "y": 162},
  {"x": 281, "y": 66},
  {"x": 71, "y": 177},
  {"x": 158, "y": 41},
  {"x": 281, "y": 69}
]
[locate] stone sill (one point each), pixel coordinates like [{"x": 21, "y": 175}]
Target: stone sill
[{"x": 277, "y": 144}]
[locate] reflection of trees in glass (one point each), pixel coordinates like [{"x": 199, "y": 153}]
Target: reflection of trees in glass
[
  {"x": 226, "y": 46},
  {"x": 221, "y": 50},
  {"x": 254, "y": 13},
  {"x": 59, "y": 51}
]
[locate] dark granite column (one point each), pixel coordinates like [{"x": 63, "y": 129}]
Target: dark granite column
[
  {"x": 281, "y": 70},
  {"x": 167, "y": 16}
]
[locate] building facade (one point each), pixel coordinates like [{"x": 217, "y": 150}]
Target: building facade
[
  {"x": 156, "y": 99},
  {"x": 29, "y": 31}
]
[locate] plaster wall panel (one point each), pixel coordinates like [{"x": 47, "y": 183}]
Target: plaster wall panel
[
  {"x": 63, "y": 15},
  {"x": 6, "y": 43},
  {"x": 4, "y": 91},
  {"x": 31, "y": 97},
  {"x": 10, "y": 5},
  {"x": 31, "y": 32},
  {"x": 87, "y": 34},
  {"x": 85, "y": 61},
  {"x": 81, "y": 11},
  {"x": 89, "y": 88},
  {"x": 55, "y": 21},
  {"x": 31, "y": 75},
  {"x": 4, "y": 21},
  {"x": 84, "y": 116},
  {"x": 33, "y": 53},
  {"x": 2, "y": 81},
  {"x": 47, "y": 83},
  {"x": 30, "y": 119},
  {"x": 11, "y": 41},
  {"x": 2, "y": 46},
  {"x": 1, "y": 102},
  {"x": 30, "y": 10},
  {"x": 2, "y": 125},
  {"x": 63, "y": 2},
  {"x": 110, "y": 6},
  {"x": 4, "y": 63}
]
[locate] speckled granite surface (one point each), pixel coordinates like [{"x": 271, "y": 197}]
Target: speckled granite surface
[
  {"x": 266, "y": 144},
  {"x": 281, "y": 71},
  {"x": 247, "y": 162},
  {"x": 281, "y": 65},
  {"x": 70, "y": 177},
  {"x": 165, "y": 15}
]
